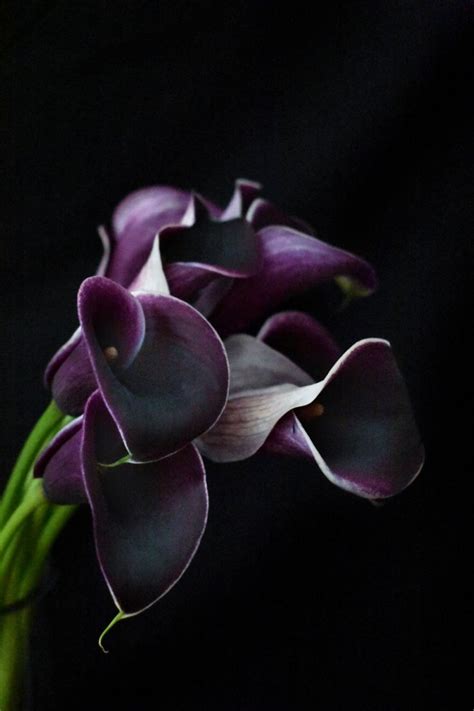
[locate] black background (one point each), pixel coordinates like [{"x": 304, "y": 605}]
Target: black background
[{"x": 355, "y": 117}]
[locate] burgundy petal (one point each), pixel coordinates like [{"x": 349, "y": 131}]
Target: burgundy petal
[
  {"x": 245, "y": 192},
  {"x": 289, "y": 439},
  {"x": 189, "y": 281},
  {"x": 148, "y": 518},
  {"x": 292, "y": 263},
  {"x": 60, "y": 356},
  {"x": 303, "y": 340},
  {"x": 366, "y": 441},
  {"x": 116, "y": 319},
  {"x": 136, "y": 221},
  {"x": 357, "y": 423},
  {"x": 226, "y": 248},
  {"x": 175, "y": 387},
  {"x": 70, "y": 376},
  {"x": 60, "y": 466},
  {"x": 263, "y": 213}
]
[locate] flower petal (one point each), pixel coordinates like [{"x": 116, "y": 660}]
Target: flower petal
[
  {"x": 292, "y": 263},
  {"x": 176, "y": 386},
  {"x": 264, "y": 386},
  {"x": 60, "y": 466},
  {"x": 136, "y": 221},
  {"x": 189, "y": 281},
  {"x": 303, "y": 340},
  {"x": 151, "y": 277},
  {"x": 148, "y": 518},
  {"x": 249, "y": 418},
  {"x": 70, "y": 376},
  {"x": 245, "y": 192},
  {"x": 254, "y": 365},
  {"x": 288, "y": 439},
  {"x": 227, "y": 248},
  {"x": 366, "y": 441},
  {"x": 263, "y": 213},
  {"x": 115, "y": 318},
  {"x": 106, "y": 251}
]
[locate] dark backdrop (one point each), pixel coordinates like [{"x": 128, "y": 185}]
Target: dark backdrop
[{"x": 357, "y": 119}]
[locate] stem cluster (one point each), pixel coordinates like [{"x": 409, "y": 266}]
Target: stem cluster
[{"x": 29, "y": 525}]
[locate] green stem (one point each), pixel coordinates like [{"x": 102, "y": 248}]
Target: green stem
[
  {"x": 29, "y": 525},
  {"x": 32, "y": 500},
  {"x": 14, "y": 634},
  {"x": 47, "y": 425},
  {"x": 57, "y": 519}
]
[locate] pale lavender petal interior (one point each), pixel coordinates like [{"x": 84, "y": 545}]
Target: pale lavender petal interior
[
  {"x": 148, "y": 518},
  {"x": 254, "y": 365}
]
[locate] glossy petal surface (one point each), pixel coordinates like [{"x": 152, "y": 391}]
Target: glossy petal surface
[
  {"x": 263, "y": 213},
  {"x": 245, "y": 192},
  {"x": 60, "y": 466},
  {"x": 265, "y": 385},
  {"x": 367, "y": 441},
  {"x": 357, "y": 423},
  {"x": 148, "y": 518},
  {"x": 303, "y": 340},
  {"x": 292, "y": 262},
  {"x": 136, "y": 221},
  {"x": 176, "y": 384},
  {"x": 71, "y": 377},
  {"x": 225, "y": 247}
]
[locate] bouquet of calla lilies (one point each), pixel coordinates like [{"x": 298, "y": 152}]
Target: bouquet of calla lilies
[{"x": 162, "y": 371}]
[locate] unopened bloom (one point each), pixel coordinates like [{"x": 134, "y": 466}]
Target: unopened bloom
[
  {"x": 154, "y": 376},
  {"x": 348, "y": 412}
]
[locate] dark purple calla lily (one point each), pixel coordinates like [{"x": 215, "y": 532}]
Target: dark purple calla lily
[
  {"x": 292, "y": 263},
  {"x": 159, "y": 365},
  {"x": 148, "y": 518},
  {"x": 135, "y": 222},
  {"x": 236, "y": 264},
  {"x": 154, "y": 375},
  {"x": 356, "y": 422}
]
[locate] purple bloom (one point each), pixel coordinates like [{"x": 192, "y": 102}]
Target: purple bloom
[
  {"x": 236, "y": 265},
  {"x": 154, "y": 375},
  {"x": 294, "y": 392}
]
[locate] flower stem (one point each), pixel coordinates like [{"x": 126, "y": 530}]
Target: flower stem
[
  {"x": 33, "y": 499},
  {"x": 29, "y": 525},
  {"x": 45, "y": 428}
]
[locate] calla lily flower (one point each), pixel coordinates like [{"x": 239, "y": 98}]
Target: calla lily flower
[
  {"x": 237, "y": 264},
  {"x": 154, "y": 375},
  {"x": 349, "y": 412},
  {"x": 234, "y": 265},
  {"x": 158, "y": 364},
  {"x": 148, "y": 518}
]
